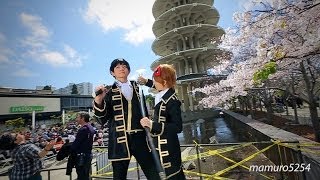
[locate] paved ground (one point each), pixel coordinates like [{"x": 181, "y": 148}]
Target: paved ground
[{"x": 303, "y": 114}]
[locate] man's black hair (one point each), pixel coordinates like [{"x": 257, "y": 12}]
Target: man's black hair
[
  {"x": 7, "y": 142},
  {"x": 117, "y": 61}
]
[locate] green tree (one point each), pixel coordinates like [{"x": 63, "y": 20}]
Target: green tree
[
  {"x": 74, "y": 89},
  {"x": 150, "y": 99},
  {"x": 17, "y": 123},
  {"x": 263, "y": 74},
  {"x": 47, "y": 87}
]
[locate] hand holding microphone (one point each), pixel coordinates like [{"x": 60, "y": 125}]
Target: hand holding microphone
[{"x": 100, "y": 93}]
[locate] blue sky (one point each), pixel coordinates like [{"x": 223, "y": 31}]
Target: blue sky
[{"x": 60, "y": 42}]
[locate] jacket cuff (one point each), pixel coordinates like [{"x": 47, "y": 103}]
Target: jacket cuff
[
  {"x": 157, "y": 129},
  {"x": 99, "y": 110},
  {"x": 149, "y": 83}
]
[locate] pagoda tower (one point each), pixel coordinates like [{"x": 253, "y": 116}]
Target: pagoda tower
[{"x": 187, "y": 37}]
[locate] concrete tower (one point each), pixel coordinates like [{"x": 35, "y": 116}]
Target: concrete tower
[{"x": 187, "y": 36}]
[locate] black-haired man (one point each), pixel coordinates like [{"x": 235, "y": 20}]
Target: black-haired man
[
  {"x": 82, "y": 146},
  {"x": 120, "y": 108}
]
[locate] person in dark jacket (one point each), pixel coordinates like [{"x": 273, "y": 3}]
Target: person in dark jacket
[
  {"x": 167, "y": 122},
  {"x": 119, "y": 107},
  {"x": 64, "y": 152},
  {"x": 82, "y": 146}
]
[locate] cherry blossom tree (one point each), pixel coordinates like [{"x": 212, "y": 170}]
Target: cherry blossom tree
[{"x": 273, "y": 39}]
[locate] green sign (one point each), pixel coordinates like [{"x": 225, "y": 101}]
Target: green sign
[{"x": 20, "y": 109}]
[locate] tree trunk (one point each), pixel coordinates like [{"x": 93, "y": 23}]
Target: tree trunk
[
  {"x": 254, "y": 103},
  {"x": 268, "y": 105},
  {"x": 312, "y": 104},
  {"x": 295, "y": 112},
  {"x": 294, "y": 102},
  {"x": 234, "y": 104},
  {"x": 249, "y": 98},
  {"x": 246, "y": 104}
]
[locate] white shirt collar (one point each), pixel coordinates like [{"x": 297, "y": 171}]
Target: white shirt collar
[
  {"x": 159, "y": 96},
  {"x": 126, "y": 89},
  {"x": 119, "y": 83}
]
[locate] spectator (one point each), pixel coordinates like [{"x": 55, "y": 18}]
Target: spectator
[
  {"x": 82, "y": 146},
  {"x": 59, "y": 143},
  {"x": 26, "y": 157},
  {"x": 71, "y": 137}
]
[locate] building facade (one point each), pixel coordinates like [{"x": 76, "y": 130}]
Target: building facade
[
  {"x": 16, "y": 105},
  {"x": 84, "y": 88}
]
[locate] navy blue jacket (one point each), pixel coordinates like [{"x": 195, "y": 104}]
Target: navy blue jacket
[{"x": 84, "y": 140}]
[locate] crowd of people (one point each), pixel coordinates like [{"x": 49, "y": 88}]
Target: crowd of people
[
  {"x": 23, "y": 147},
  {"x": 59, "y": 133}
]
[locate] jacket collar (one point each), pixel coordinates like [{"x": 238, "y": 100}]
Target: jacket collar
[
  {"x": 166, "y": 97},
  {"x": 116, "y": 85}
]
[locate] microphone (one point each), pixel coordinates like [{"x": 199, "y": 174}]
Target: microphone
[{"x": 100, "y": 91}]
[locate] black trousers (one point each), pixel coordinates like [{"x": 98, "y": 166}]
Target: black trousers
[
  {"x": 139, "y": 149},
  {"x": 179, "y": 176},
  {"x": 83, "y": 169}
]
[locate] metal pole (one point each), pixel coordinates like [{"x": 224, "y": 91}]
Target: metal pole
[
  {"x": 63, "y": 117},
  {"x": 138, "y": 172},
  {"x": 198, "y": 157},
  {"x": 159, "y": 167},
  {"x": 49, "y": 175},
  {"x": 33, "y": 131},
  {"x": 300, "y": 160},
  {"x": 33, "y": 120}
]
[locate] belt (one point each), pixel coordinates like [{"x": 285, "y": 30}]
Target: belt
[
  {"x": 134, "y": 131},
  {"x": 86, "y": 154}
]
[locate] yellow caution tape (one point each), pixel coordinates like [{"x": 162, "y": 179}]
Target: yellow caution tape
[
  {"x": 219, "y": 152},
  {"x": 110, "y": 173},
  {"x": 240, "y": 162},
  {"x": 214, "y": 152},
  {"x": 100, "y": 149},
  {"x": 204, "y": 175},
  {"x": 224, "y": 150},
  {"x": 103, "y": 168},
  {"x": 230, "y": 160}
]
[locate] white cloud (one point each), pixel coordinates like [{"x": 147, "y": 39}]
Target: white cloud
[
  {"x": 34, "y": 23},
  {"x": 68, "y": 57},
  {"x": 37, "y": 45},
  {"x": 54, "y": 58},
  {"x": 141, "y": 71},
  {"x": 4, "y": 51},
  {"x": 135, "y": 17},
  {"x": 24, "y": 73},
  {"x": 39, "y": 33}
]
